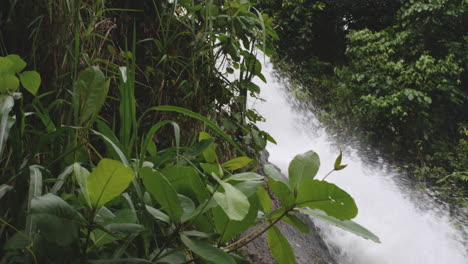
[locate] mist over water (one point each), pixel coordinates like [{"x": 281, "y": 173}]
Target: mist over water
[{"x": 412, "y": 229}]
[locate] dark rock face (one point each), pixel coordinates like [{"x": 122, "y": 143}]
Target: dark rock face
[{"x": 308, "y": 248}]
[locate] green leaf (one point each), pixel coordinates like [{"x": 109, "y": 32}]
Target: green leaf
[
  {"x": 302, "y": 167},
  {"x": 209, "y": 153},
  {"x": 326, "y": 197},
  {"x": 8, "y": 82},
  {"x": 296, "y": 222},
  {"x": 280, "y": 247},
  {"x": 186, "y": 181},
  {"x": 246, "y": 176},
  {"x": 210, "y": 168},
  {"x": 265, "y": 200},
  {"x": 207, "y": 251},
  {"x": 89, "y": 94},
  {"x": 273, "y": 173},
  {"x": 158, "y": 214},
  {"x": 338, "y": 165},
  {"x": 118, "y": 224},
  {"x": 6, "y": 66},
  {"x": 55, "y": 219},
  {"x": 205, "y": 120},
  {"x": 248, "y": 188},
  {"x": 17, "y": 64},
  {"x": 81, "y": 176},
  {"x": 230, "y": 228},
  {"x": 31, "y": 80},
  {"x": 347, "y": 225},
  {"x": 163, "y": 192},
  {"x": 282, "y": 191},
  {"x": 236, "y": 163},
  {"x": 4, "y": 189},
  {"x": 187, "y": 205},
  {"x": 108, "y": 180},
  {"x": 234, "y": 203},
  {"x": 124, "y": 228}
]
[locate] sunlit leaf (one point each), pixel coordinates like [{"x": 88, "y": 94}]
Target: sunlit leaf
[
  {"x": 108, "y": 180},
  {"x": 302, "y": 167},
  {"x": 326, "y": 197}
]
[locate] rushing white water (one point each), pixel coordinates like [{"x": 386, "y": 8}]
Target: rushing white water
[{"x": 409, "y": 234}]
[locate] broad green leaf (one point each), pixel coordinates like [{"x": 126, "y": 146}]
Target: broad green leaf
[
  {"x": 246, "y": 176},
  {"x": 124, "y": 227},
  {"x": 187, "y": 205},
  {"x": 347, "y": 225},
  {"x": 209, "y": 153},
  {"x": 248, "y": 188},
  {"x": 199, "y": 147},
  {"x": 8, "y": 82},
  {"x": 326, "y": 197},
  {"x": 120, "y": 223},
  {"x": 158, "y": 214},
  {"x": 55, "y": 219},
  {"x": 89, "y": 93},
  {"x": 163, "y": 192},
  {"x": 302, "y": 167},
  {"x": 280, "y": 247},
  {"x": 207, "y": 251},
  {"x": 17, "y": 64},
  {"x": 236, "y": 163},
  {"x": 202, "y": 208},
  {"x": 81, "y": 176},
  {"x": 273, "y": 173},
  {"x": 296, "y": 222},
  {"x": 186, "y": 181},
  {"x": 234, "y": 203},
  {"x": 264, "y": 199},
  {"x": 230, "y": 228},
  {"x": 210, "y": 168},
  {"x": 4, "y": 189},
  {"x": 107, "y": 181},
  {"x": 6, "y": 66},
  {"x": 31, "y": 80},
  {"x": 282, "y": 192}
]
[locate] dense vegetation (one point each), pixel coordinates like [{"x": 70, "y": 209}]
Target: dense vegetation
[
  {"x": 393, "y": 72},
  {"x": 123, "y": 141}
]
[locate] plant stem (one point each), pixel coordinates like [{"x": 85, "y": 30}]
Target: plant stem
[
  {"x": 328, "y": 174},
  {"x": 260, "y": 233}
]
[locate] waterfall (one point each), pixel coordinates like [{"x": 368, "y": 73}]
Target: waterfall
[{"x": 412, "y": 230}]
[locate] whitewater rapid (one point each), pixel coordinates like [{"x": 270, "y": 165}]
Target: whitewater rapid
[{"x": 409, "y": 234}]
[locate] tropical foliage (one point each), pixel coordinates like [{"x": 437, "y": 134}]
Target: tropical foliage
[
  {"x": 393, "y": 73},
  {"x": 132, "y": 145}
]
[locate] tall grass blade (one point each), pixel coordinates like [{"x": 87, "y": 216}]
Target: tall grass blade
[
  {"x": 205, "y": 120},
  {"x": 4, "y": 189},
  {"x": 61, "y": 179},
  {"x": 6, "y": 105}
]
